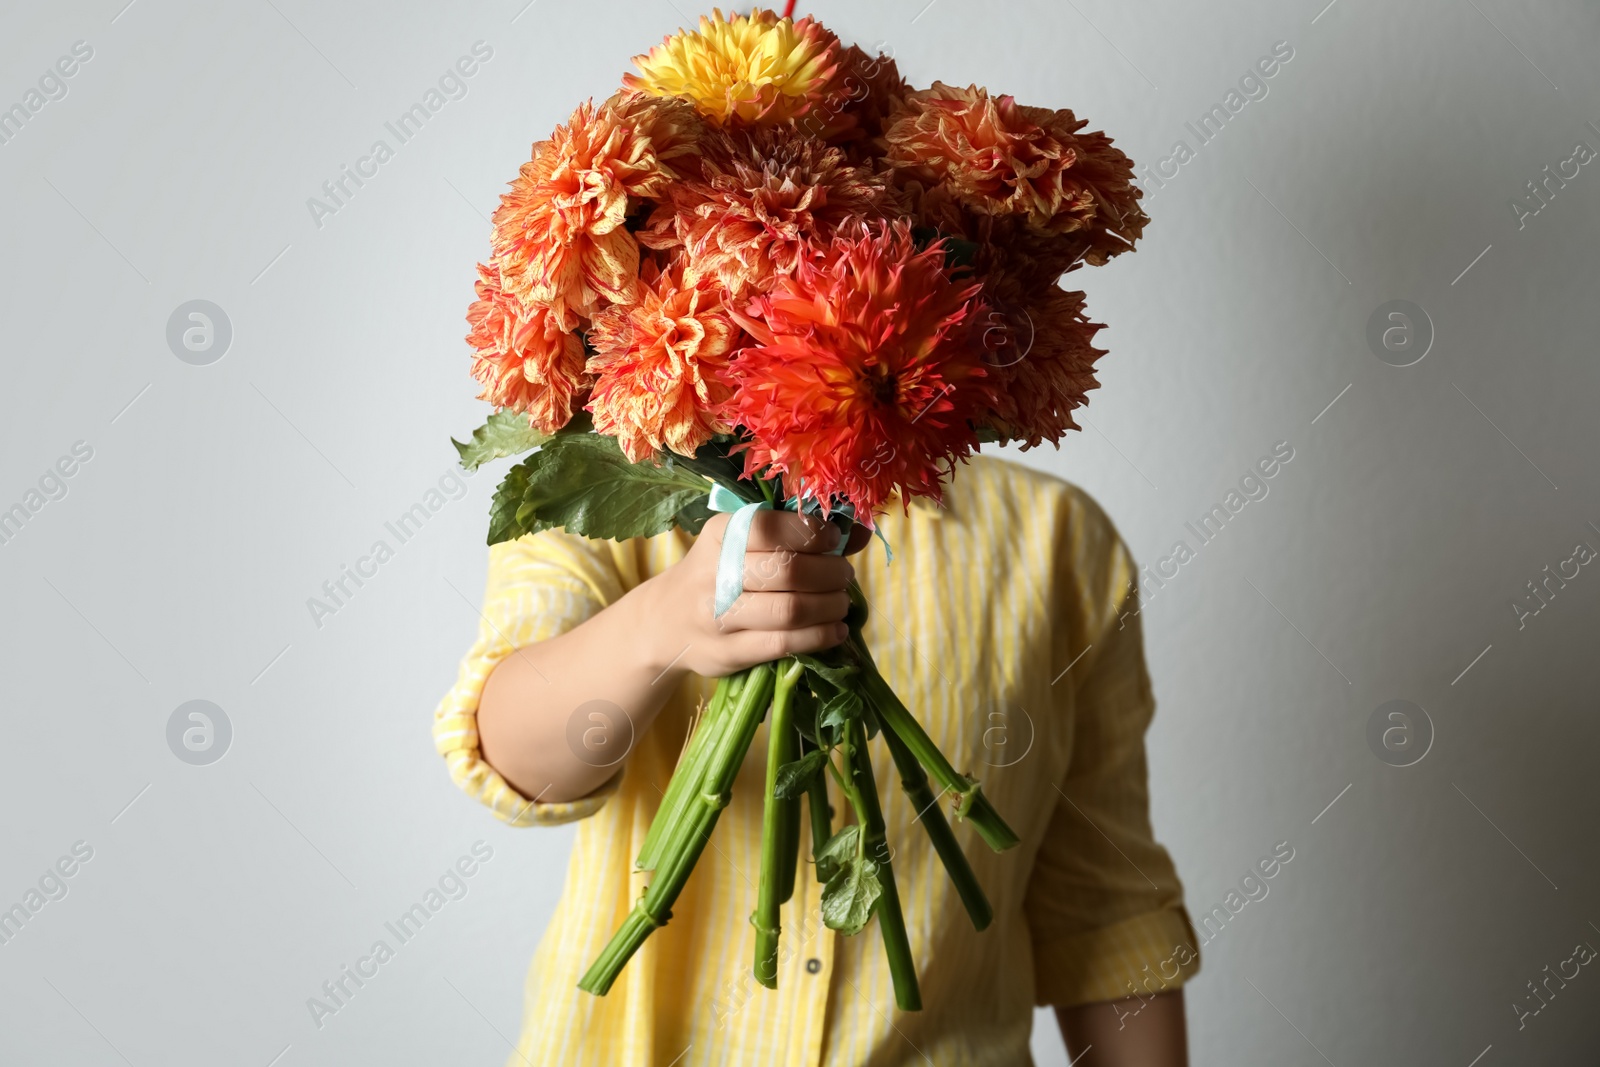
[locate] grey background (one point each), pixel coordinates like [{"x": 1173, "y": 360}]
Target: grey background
[{"x": 1382, "y": 565}]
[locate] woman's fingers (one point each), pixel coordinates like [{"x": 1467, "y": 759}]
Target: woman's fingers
[
  {"x": 784, "y": 611},
  {"x": 799, "y": 572},
  {"x": 763, "y": 646},
  {"x": 774, "y": 531}
]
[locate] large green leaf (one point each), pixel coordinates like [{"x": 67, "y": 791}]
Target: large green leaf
[
  {"x": 505, "y": 434},
  {"x": 848, "y": 897},
  {"x": 583, "y": 483}
]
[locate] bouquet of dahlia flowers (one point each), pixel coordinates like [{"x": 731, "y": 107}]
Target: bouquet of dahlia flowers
[{"x": 769, "y": 273}]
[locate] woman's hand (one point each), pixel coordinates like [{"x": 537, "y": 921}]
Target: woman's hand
[
  {"x": 794, "y": 597},
  {"x": 633, "y": 654}
]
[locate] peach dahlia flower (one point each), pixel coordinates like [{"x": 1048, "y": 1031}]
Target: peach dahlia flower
[
  {"x": 559, "y": 237},
  {"x": 999, "y": 157},
  {"x": 522, "y": 356},
  {"x": 661, "y": 365}
]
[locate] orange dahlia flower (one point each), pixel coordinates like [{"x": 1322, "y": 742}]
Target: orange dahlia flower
[
  {"x": 745, "y": 68},
  {"x": 1002, "y": 158},
  {"x": 522, "y": 356},
  {"x": 1040, "y": 352},
  {"x": 863, "y": 379},
  {"x": 661, "y": 365},
  {"x": 559, "y": 237},
  {"x": 765, "y": 199}
]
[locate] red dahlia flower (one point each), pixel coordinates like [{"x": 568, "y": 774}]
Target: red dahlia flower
[{"x": 864, "y": 378}]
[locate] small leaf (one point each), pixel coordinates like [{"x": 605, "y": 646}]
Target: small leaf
[
  {"x": 795, "y": 778},
  {"x": 848, "y": 897},
  {"x": 840, "y": 848},
  {"x": 841, "y": 708},
  {"x": 505, "y": 434},
  {"x": 832, "y": 675},
  {"x": 805, "y": 712}
]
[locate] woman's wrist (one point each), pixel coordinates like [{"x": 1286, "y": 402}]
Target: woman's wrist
[{"x": 651, "y": 615}]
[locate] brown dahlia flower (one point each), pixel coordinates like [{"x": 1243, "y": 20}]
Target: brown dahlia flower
[
  {"x": 1039, "y": 349},
  {"x": 765, "y": 198}
]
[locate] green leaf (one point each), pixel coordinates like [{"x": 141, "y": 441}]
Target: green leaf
[
  {"x": 582, "y": 482},
  {"x": 832, "y": 675},
  {"x": 958, "y": 251},
  {"x": 848, "y": 897},
  {"x": 693, "y": 515},
  {"x": 841, "y": 708},
  {"x": 805, "y": 712},
  {"x": 503, "y": 524},
  {"x": 713, "y": 460},
  {"x": 505, "y": 434},
  {"x": 796, "y": 777},
  {"x": 840, "y": 848}
]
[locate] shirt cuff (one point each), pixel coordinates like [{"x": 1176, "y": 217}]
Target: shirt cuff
[
  {"x": 455, "y": 735},
  {"x": 1143, "y": 956},
  {"x": 482, "y": 782}
]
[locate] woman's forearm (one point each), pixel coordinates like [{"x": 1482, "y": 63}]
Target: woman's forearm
[
  {"x": 1132, "y": 1032},
  {"x": 613, "y": 662}
]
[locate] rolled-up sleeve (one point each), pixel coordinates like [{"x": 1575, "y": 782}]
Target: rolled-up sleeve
[
  {"x": 1104, "y": 903},
  {"x": 539, "y": 586}
]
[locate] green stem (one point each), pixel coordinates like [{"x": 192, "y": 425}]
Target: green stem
[
  {"x": 791, "y": 857},
  {"x": 776, "y": 844},
  {"x": 891, "y": 920},
  {"x": 686, "y": 777},
  {"x": 681, "y": 848},
  {"x": 821, "y": 813},
  {"x": 923, "y": 800},
  {"x": 893, "y": 716}
]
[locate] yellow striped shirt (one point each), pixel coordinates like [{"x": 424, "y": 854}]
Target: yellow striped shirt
[{"x": 1006, "y": 624}]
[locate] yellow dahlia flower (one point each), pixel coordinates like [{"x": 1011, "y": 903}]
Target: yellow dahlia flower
[{"x": 748, "y": 69}]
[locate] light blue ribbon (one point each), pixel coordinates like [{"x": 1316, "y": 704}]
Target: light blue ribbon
[{"x": 736, "y": 538}]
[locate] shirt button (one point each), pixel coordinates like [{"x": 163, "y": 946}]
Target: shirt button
[{"x": 813, "y": 965}]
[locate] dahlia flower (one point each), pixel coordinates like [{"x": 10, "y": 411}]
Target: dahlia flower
[
  {"x": 858, "y": 109},
  {"x": 661, "y": 365},
  {"x": 754, "y": 68},
  {"x": 1040, "y": 352},
  {"x": 522, "y": 356},
  {"x": 558, "y": 234},
  {"x": 765, "y": 199},
  {"x": 1001, "y": 158},
  {"x": 863, "y": 380}
]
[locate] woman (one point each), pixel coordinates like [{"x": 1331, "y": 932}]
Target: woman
[{"x": 1008, "y": 622}]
